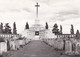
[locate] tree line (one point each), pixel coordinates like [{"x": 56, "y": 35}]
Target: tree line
[
  {"x": 56, "y": 30},
  {"x": 6, "y": 29}
]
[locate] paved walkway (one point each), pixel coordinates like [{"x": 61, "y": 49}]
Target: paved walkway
[{"x": 36, "y": 49}]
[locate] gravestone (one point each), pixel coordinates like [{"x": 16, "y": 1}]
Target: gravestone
[
  {"x": 59, "y": 44},
  {"x": 78, "y": 48},
  {"x": 8, "y": 45},
  {"x": 73, "y": 47},
  {"x": 63, "y": 44},
  {"x": 68, "y": 47},
  {"x": 14, "y": 45},
  {"x": 3, "y": 47},
  {"x": 21, "y": 42},
  {"x": 51, "y": 42}
]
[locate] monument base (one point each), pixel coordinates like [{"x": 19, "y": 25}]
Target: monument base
[{"x": 37, "y": 38}]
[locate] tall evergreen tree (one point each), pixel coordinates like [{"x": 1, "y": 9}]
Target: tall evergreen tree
[
  {"x": 77, "y": 34},
  {"x": 72, "y": 29},
  {"x": 60, "y": 29},
  {"x": 27, "y": 25},
  {"x": 7, "y": 29},
  {"x": 14, "y": 28},
  {"x": 46, "y": 27},
  {"x": 55, "y": 29},
  {"x": 2, "y": 27}
]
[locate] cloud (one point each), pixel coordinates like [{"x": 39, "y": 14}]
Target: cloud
[
  {"x": 52, "y": 11},
  {"x": 15, "y": 5},
  {"x": 66, "y": 15},
  {"x": 15, "y": 10},
  {"x": 26, "y": 9},
  {"x": 70, "y": 12}
]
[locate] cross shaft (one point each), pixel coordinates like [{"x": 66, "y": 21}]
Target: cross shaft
[{"x": 37, "y": 9}]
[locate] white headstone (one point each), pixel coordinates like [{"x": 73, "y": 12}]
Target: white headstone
[
  {"x": 3, "y": 47},
  {"x": 68, "y": 46}
]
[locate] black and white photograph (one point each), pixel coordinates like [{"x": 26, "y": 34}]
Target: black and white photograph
[{"x": 39, "y": 28}]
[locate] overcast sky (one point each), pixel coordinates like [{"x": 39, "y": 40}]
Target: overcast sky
[{"x": 62, "y": 12}]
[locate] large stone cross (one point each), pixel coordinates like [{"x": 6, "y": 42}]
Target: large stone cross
[{"x": 37, "y": 9}]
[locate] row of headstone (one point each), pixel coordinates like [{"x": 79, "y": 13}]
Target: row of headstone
[
  {"x": 56, "y": 43},
  {"x": 16, "y": 44},
  {"x": 70, "y": 46},
  {"x": 12, "y": 45}
]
